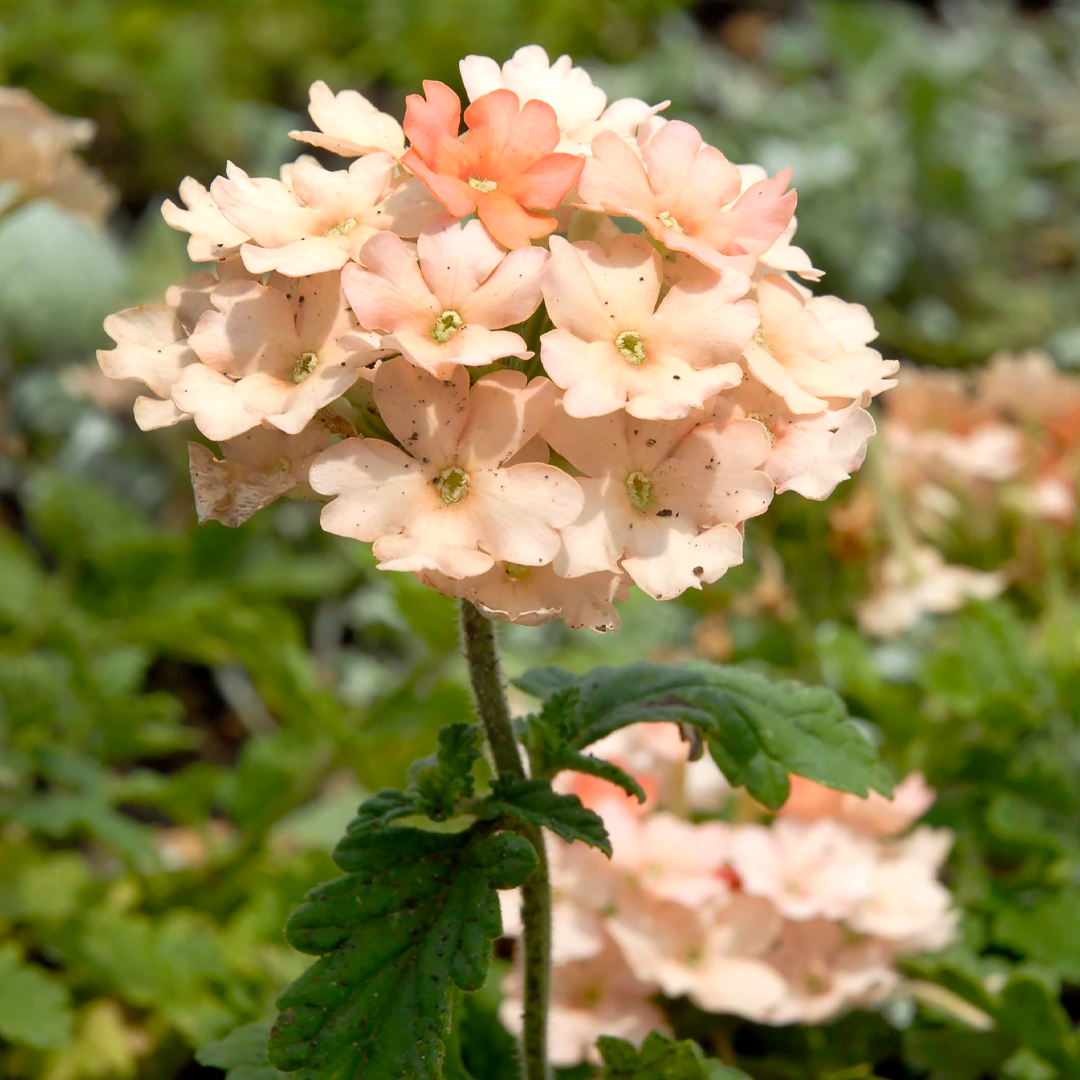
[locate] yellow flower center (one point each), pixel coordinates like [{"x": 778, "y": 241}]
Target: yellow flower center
[
  {"x": 342, "y": 228},
  {"x": 669, "y": 221},
  {"x": 762, "y": 419},
  {"x": 446, "y": 326},
  {"x": 483, "y": 186},
  {"x": 305, "y": 364},
  {"x": 453, "y": 484},
  {"x": 631, "y": 347},
  {"x": 639, "y": 488},
  {"x": 516, "y": 572}
]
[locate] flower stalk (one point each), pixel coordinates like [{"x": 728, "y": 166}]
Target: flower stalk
[{"x": 482, "y": 657}]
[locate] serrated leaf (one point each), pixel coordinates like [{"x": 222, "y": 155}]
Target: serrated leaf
[
  {"x": 414, "y": 916},
  {"x": 534, "y": 802},
  {"x": 241, "y": 1053},
  {"x": 758, "y": 730},
  {"x": 661, "y": 1058},
  {"x": 442, "y": 778},
  {"x": 34, "y": 1007}
]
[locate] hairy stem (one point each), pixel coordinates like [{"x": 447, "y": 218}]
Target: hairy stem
[{"x": 482, "y": 655}]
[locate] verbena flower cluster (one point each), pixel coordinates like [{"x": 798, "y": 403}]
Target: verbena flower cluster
[
  {"x": 789, "y": 922},
  {"x": 972, "y": 453},
  {"x": 38, "y": 159},
  {"x": 563, "y": 353}
]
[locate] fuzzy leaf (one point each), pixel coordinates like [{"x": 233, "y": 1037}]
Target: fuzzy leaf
[
  {"x": 442, "y": 778},
  {"x": 661, "y": 1058},
  {"x": 533, "y": 801},
  {"x": 242, "y": 1054},
  {"x": 758, "y": 730},
  {"x": 414, "y": 916}
]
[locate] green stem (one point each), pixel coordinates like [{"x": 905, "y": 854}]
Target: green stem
[{"x": 481, "y": 654}]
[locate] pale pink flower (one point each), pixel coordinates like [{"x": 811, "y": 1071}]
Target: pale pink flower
[
  {"x": 805, "y": 869},
  {"x": 922, "y": 583},
  {"x": 714, "y": 956},
  {"x": 670, "y": 858},
  {"x": 256, "y": 468},
  {"x": 349, "y": 124},
  {"x": 811, "y": 453},
  {"x": 688, "y": 196},
  {"x": 828, "y": 970},
  {"x": 534, "y": 595},
  {"x": 875, "y": 815},
  {"x": 907, "y": 904},
  {"x": 152, "y": 347},
  {"x": 579, "y": 105},
  {"x": 451, "y": 504},
  {"x": 783, "y": 256},
  {"x": 321, "y": 218},
  {"x": 451, "y": 308},
  {"x": 37, "y": 159},
  {"x": 276, "y": 353},
  {"x": 213, "y": 236},
  {"x": 809, "y": 351},
  {"x": 503, "y": 170},
  {"x": 589, "y": 998},
  {"x": 662, "y": 500},
  {"x": 614, "y": 348}
]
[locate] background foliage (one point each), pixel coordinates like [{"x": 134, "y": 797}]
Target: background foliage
[{"x": 188, "y": 717}]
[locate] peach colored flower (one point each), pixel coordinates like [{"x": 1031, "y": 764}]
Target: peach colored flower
[
  {"x": 349, "y": 124},
  {"x": 783, "y": 257},
  {"x": 276, "y": 353},
  {"x": 534, "y": 595},
  {"x": 922, "y": 584},
  {"x": 827, "y": 969},
  {"x": 450, "y": 309},
  {"x": 688, "y": 196},
  {"x": 589, "y": 998},
  {"x": 809, "y": 351},
  {"x": 806, "y": 869},
  {"x": 152, "y": 347},
  {"x": 662, "y": 500},
  {"x": 714, "y": 956},
  {"x": 320, "y": 219},
  {"x": 672, "y": 859},
  {"x": 907, "y": 904},
  {"x": 213, "y": 236},
  {"x": 37, "y": 159},
  {"x": 811, "y": 453},
  {"x": 256, "y": 468},
  {"x": 451, "y": 503},
  {"x": 614, "y": 348},
  {"x": 579, "y": 105},
  {"x": 503, "y": 169},
  {"x": 875, "y": 815}
]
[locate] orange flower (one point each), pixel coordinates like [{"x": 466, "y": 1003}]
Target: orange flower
[{"x": 503, "y": 169}]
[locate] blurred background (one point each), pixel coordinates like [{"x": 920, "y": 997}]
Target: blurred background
[{"x": 189, "y": 716}]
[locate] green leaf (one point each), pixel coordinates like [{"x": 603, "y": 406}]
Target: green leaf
[
  {"x": 758, "y": 730},
  {"x": 1047, "y": 932},
  {"x": 33, "y": 1007},
  {"x": 242, "y": 1054},
  {"x": 661, "y": 1058},
  {"x": 533, "y": 801},
  {"x": 414, "y": 916},
  {"x": 442, "y": 778},
  {"x": 957, "y": 1054},
  {"x": 1030, "y": 1009}
]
